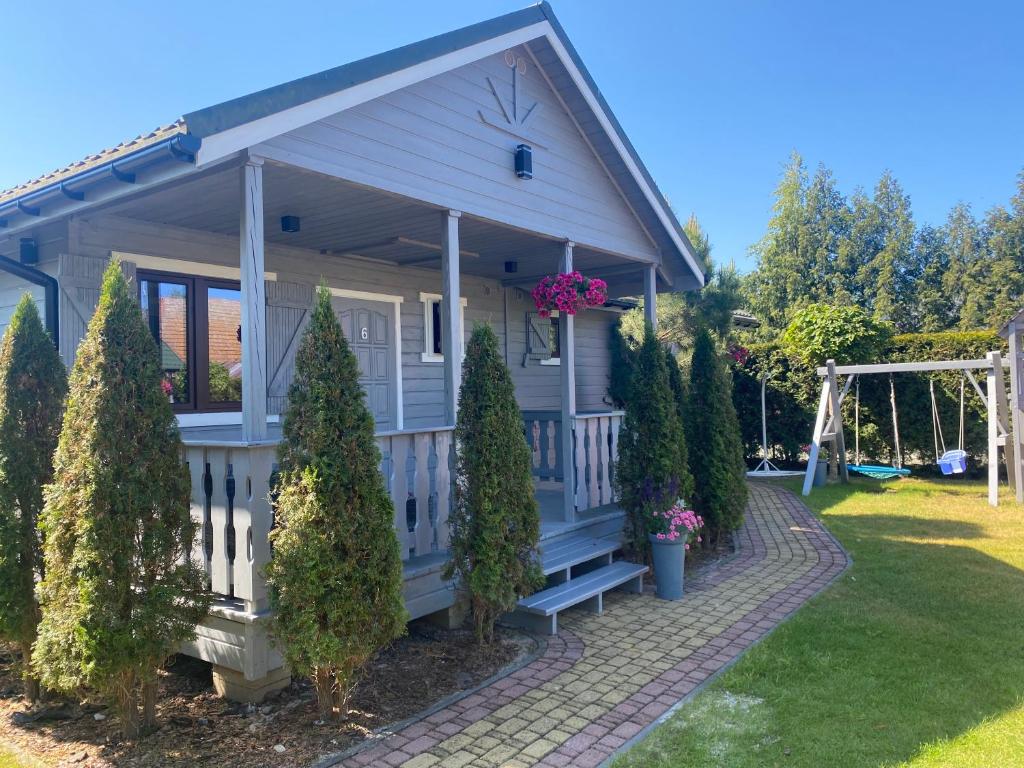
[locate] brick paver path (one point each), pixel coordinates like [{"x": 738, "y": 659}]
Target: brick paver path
[{"x": 605, "y": 678}]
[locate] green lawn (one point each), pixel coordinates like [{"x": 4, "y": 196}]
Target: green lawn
[
  {"x": 11, "y": 760},
  {"x": 914, "y": 657}
]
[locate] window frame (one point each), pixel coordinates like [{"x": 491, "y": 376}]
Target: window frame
[
  {"x": 428, "y": 355},
  {"x": 197, "y": 320},
  {"x": 555, "y": 355}
]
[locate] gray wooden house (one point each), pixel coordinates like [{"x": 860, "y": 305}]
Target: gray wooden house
[{"x": 430, "y": 187}]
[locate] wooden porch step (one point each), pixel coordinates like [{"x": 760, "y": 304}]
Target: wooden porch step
[
  {"x": 539, "y": 611},
  {"x": 562, "y": 555}
]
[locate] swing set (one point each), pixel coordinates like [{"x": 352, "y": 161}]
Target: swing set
[{"x": 828, "y": 426}]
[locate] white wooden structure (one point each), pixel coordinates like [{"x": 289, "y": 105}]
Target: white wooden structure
[
  {"x": 394, "y": 180},
  {"x": 828, "y": 425},
  {"x": 1013, "y": 332}
]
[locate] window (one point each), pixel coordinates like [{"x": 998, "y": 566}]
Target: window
[
  {"x": 433, "y": 327},
  {"x": 197, "y": 323},
  {"x": 554, "y": 341}
]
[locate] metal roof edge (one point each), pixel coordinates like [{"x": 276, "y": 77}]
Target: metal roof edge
[{"x": 245, "y": 109}]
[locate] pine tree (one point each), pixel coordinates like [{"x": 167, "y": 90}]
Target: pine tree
[
  {"x": 33, "y": 384},
  {"x": 652, "y": 469},
  {"x": 719, "y": 473},
  {"x": 495, "y": 525},
  {"x": 120, "y": 590},
  {"x": 335, "y": 578}
]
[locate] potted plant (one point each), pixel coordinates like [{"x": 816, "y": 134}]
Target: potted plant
[
  {"x": 568, "y": 292},
  {"x": 671, "y": 532}
]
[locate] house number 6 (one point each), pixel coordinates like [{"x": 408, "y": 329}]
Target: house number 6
[{"x": 364, "y": 333}]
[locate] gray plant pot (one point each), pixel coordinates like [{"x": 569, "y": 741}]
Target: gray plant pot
[{"x": 669, "y": 561}]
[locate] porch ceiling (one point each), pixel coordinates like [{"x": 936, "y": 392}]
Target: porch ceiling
[{"x": 338, "y": 217}]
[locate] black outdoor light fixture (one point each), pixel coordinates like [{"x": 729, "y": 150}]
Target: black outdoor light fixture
[
  {"x": 28, "y": 251},
  {"x": 524, "y": 161},
  {"x": 290, "y": 223},
  {"x": 511, "y": 267}
]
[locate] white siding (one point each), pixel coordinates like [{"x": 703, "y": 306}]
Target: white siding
[{"x": 446, "y": 141}]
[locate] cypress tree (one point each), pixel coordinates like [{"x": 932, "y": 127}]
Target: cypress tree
[
  {"x": 33, "y": 384},
  {"x": 336, "y": 574},
  {"x": 120, "y": 590},
  {"x": 495, "y": 524},
  {"x": 720, "y": 492},
  {"x": 652, "y": 469}
]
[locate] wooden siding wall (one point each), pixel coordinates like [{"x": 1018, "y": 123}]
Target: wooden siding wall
[
  {"x": 537, "y": 386},
  {"x": 447, "y": 141}
]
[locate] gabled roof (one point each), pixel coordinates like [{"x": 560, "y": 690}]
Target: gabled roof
[{"x": 552, "y": 48}]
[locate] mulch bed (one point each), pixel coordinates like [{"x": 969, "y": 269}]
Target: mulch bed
[{"x": 199, "y": 729}]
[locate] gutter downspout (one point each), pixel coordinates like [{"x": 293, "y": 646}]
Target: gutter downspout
[{"x": 49, "y": 285}]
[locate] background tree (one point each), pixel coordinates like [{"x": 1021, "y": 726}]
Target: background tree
[
  {"x": 33, "y": 383},
  {"x": 845, "y": 334},
  {"x": 120, "y": 590},
  {"x": 717, "y": 466},
  {"x": 652, "y": 469},
  {"x": 335, "y": 578},
  {"x": 495, "y": 525}
]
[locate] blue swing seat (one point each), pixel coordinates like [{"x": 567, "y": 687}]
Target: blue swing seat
[
  {"x": 878, "y": 472},
  {"x": 953, "y": 462}
]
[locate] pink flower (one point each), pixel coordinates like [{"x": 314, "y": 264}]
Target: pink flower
[{"x": 661, "y": 536}]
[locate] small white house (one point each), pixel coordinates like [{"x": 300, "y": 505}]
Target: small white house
[{"x": 431, "y": 187}]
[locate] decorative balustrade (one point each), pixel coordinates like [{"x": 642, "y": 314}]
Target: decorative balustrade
[
  {"x": 417, "y": 466},
  {"x": 231, "y": 507},
  {"x": 543, "y": 430},
  {"x": 596, "y": 451}
]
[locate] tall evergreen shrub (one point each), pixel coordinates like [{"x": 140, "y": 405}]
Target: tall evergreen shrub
[
  {"x": 120, "y": 589},
  {"x": 719, "y": 472},
  {"x": 33, "y": 384},
  {"x": 652, "y": 469},
  {"x": 336, "y": 574},
  {"x": 495, "y": 525}
]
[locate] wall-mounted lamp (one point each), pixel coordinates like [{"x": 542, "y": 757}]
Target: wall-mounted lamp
[
  {"x": 524, "y": 161},
  {"x": 28, "y": 251},
  {"x": 290, "y": 223},
  {"x": 511, "y": 267}
]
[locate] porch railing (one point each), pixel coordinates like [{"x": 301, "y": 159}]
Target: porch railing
[
  {"x": 596, "y": 441},
  {"x": 231, "y": 506},
  {"x": 543, "y": 430},
  {"x": 417, "y": 466}
]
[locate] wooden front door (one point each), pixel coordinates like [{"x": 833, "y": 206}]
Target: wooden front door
[{"x": 368, "y": 326}]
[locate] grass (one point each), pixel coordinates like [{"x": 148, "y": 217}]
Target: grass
[
  {"x": 11, "y": 760},
  {"x": 914, "y": 658}
]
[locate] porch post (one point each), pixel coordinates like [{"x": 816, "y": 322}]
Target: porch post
[
  {"x": 567, "y": 374},
  {"x": 254, "y": 303},
  {"x": 451, "y": 314},
  {"x": 650, "y": 295}
]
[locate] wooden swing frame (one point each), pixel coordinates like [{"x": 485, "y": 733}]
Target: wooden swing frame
[{"x": 828, "y": 426}]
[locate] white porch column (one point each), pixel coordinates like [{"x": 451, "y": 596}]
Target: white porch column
[
  {"x": 451, "y": 314},
  {"x": 254, "y": 303},
  {"x": 650, "y": 295},
  {"x": 567, "y": 372}
]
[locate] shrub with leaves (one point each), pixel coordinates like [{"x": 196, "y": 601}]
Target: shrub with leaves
[
  {"x": 495, "y": 524},
  {"x": 719, "y": 473},
  {"x": 846, "y": 334},
  {"x": 335, "y": 578},
  {"x": 120, "y": 590},
  {"x": 652, "y": 472},
  {"x": 33, "y": 384}
]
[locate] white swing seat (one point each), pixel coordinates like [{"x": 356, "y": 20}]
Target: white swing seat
[{"x": 953, "y": 462}]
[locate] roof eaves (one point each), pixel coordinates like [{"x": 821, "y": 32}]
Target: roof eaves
[{"x": 245, "y": 109}]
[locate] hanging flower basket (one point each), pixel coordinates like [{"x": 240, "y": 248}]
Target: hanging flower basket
[{"x": 569, "y": 292}]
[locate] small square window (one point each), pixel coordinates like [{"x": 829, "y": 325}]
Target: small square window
[
  {"x": 433, "y": 327},
  {"x": 555, "y": 339}
]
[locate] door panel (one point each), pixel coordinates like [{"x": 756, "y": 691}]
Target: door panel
[{"x": 368, "y": 328}]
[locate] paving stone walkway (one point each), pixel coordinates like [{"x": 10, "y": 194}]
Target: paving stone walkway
[{"x": 605, "y": 678}]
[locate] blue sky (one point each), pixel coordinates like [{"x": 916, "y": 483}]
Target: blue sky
[{"x": 715, "y": 95}]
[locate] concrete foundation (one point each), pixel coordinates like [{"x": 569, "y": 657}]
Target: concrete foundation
[{"x": 232, "y": 685}]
